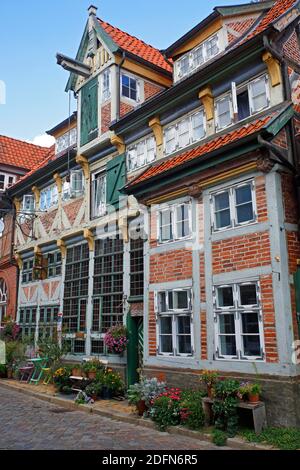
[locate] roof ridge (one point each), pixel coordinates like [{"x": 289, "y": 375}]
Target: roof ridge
[{"x": 27, "y": 143}]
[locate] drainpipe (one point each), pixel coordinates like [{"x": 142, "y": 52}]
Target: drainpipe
[{"x": 119, "y": 85}]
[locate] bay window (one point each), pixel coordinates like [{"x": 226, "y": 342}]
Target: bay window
[
  {"x": 98, "y": 194},
  {"x": 238, "y": 321},
  {"x": 174, "y": 322},
  {"x": 184, "y": 132},
  {"x": 141, "y": 153},
  {"x": 174, "y": 222},
  {"x": 233, "y": 206}
]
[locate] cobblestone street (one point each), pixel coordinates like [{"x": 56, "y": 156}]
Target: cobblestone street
[{"x": 29, "y": 423}]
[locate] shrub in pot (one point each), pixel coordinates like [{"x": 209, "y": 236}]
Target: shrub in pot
[
  {"x": 143, "y": 393},
  {"x": 209, "y": 377},
  {"x": 94, "y": 390},
  {"x": 254, "y": 393},
  {"x": 77, "y": 370},
  {"x": 191, "y": 410},
  {"x": 112, "y": 384},
  {"x": 165, "y": 409},
  {"x": 225, "y": 406},
  {"x": 61, "y": 380}
]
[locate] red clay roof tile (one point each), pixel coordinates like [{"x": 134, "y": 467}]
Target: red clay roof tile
[
  {"x": 21, "y": 154},
  {"x": 201, "y": 150},
  {"x": 136, "y": 46}
]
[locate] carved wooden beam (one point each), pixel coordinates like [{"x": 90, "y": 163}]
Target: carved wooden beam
[
  {"x": 37, "y": 194},
  {"x": 273, "y": 68},
  {"x": 88, "y": 235},
  {"x": 19, "y": 260},
  {"x": 62, "y": 246},
  {"x": 157, "y": 129},
  {"x": 207, "y": 99},
  {"x": 118, "y": 142},
  {"x": 58, "y": 181},
  {"x": 84, "y": 163}
]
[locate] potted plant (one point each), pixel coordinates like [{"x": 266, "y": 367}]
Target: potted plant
[
  {"x": 254, "y": 393},
  {"x": 90, "y": 370},
  {"x": 94, "y": 390},
  {"x": 142, "y": 394},
  {"x": 209, "y": 377},
  {"x": 116, "y": 339},
  {"x": 112, "y": 384},
  {"x": 243, "y": 391},
  {"x": 76, "y": 370},
  {"x": 61, "y": 379}
]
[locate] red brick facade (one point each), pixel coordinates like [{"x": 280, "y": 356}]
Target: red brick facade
[
  {"x": 151, "y": 89},
  {"x": 125, "y": 108},
  {"x": 8, "y": 268},
  {"x": 105, "y": 117}
]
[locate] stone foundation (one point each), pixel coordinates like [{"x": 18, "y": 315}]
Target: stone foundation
[{"x": 280, "y": 394}]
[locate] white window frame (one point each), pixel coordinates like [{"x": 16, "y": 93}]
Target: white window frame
[
  {"x": 75, "y": 192},
  {"x": 105, "y": 85},
  {"x": 32, "y": 205},
  {"x": 138, "y": 93},
  {"x": 132, "y": 161},
  {"x": 227, "y": 96},
  {"x": 174, "y": 314},
  {"x": 66, "y": 140},
  {"x": 174, "y": 127},
  {"x": 264, "y": 77},
  {"x": 53, "y": 198},
  {"x": 232, "y": 206},
  {"x": 96, "y": 211},
  {"x": 6, "y": 183},
  {"x": 173, "y": 210},
  {"x": 237, "y": 310}
]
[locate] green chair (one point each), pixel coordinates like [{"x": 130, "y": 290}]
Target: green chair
[{"x": 39, "y": 364}]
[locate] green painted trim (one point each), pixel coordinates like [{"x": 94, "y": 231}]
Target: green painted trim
[
  {"x": 240, "y": 9},
  {"x": 277, "y": 122},
  {"x": 112, "y": 46},
  {"x": 132, "y": 350},
  {"x": 79, "y": 56}
]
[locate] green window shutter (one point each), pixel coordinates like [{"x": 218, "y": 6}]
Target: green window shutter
[
  {"x": 115, "y": 179},
  {"x": 89, "y": 111}
]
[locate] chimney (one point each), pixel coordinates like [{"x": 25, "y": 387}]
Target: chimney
[{"x": 92, "y": 10}]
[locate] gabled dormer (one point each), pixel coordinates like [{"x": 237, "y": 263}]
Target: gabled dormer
[
  {"x": 212, "y": 36},
  {"x": 113, "y": 74}
]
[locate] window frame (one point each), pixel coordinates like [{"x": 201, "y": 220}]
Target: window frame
[
  {"x": 132, "y": 153},
  {"x": 136, "y": 80},
  {"x": 172, "y": 208},
  {"x": 232, "y": 206},
  {"x": 101, "y": 174},
  {"x": 52, "y": 202},
  {"x": 27, "y": 271},
  {"x": 174, "y": 127},
  {"x": 237, "y": 310},
  {"x": 105, "y": 85}
]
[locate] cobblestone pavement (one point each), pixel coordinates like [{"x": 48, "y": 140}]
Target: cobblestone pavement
[{"x": 29, "y": 423}]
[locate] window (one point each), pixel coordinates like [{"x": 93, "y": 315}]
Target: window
[
  {"x": 136, "y": 267},
  {"x": 129, "y": 87},
  {"x": 189, "y": 62},
  {"x": 234, "y": 206},
  {"x": 108, "y": 284},
  {"x": 174, "y": 222},
  {"x": 141, "y": 154},
  {"x": 98, "y": 194},
  {"x": 184, "y": 132},
  {"x": 27, "y": 271},
  {"x": 66, "y": 189},
  {"x": 174, "y": 321},
  {"x": 76, "y": 183},
  {"x": 54, "y": 264},
  {"x": 106, "y": 85},
  {"x": 27, "y": 322},
  {"x": 28, "y": 203},
  {"x": 243, "y": 101},
  {"x": 6, "y": 181},
  {"x": 76, "y": 289},
  {"x": 3, "y": 300},
  {"x": 48, "y": 198},
  {"x": 238, "y": 320},
  {"x": 48, "y": 321},
  {"x": 68, "y": 139}
]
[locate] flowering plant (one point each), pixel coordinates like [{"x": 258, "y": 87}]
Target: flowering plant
[
  {"x": 165, "y": 410},
  {"x": 146, "y": 390},
  {"x": 116, "y": 339},
  {"x": 209, "y": 377}
]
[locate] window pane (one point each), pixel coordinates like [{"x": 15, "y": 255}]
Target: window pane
[
  {"x": 243, "y": 194},
  {"x": 170, "y": 140},
  {"x": 222, "y": 201},
  {"x": 166, "y": 225},
  {"x": 244, "y": 213},
  {"x": 250, "y": 322},
  {"x": 182, "y": 220},
  {"x": 181, "y": 300},
  {"x": 243, "y": 105},
  {"x": 223, "y": 219},
  {"x": 166, "y": 345},
  {"x": 198, "y": 126},
  {"x": 162, "y": 305},
  {"x": 184, "y": 344},
  {"x": 226, "y": 324},
  {"x": 248, "y": 294},
  {"x": 224, "y": 112},
  {"x": 198, "y": 56},
  {"x": 183, "y": 133},
  {"x": 166, "y": 325},
  {"x": 212, "y": 47},
  {"x": 184, "y": 325},
  {"x": 228, "y": 346},
  {"x": 259, "y": 94},
  {"x": 225, "y": 296},
  {"x": 184, "y": 65},
  {"x": 251, "y": 345}
]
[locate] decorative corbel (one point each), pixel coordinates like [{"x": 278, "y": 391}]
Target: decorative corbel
[
  {"x": 195, "y": 191},
  {"x": 37, "y": 250},
  {"x": 157, "y": 129},
  {"x": 123, "y": 227},
  {"x": 17, "y": 204},
  {"x": 118, "y": 142},
  {"x": 273, "y": 68},
  {"x": 207, "y": 99},
  {"x": 58, "y": 181},
  {"x": 19, "y": 260},
  {"x": 88, "y": 235},
  {"x": 36, "y": 193},
  {"x": 133, "y": 207},
  {"x": 84, "y": 163},
  {"x": 62, "y": 246}
]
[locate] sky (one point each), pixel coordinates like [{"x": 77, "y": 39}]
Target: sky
[{"x": 32, "y": 96}]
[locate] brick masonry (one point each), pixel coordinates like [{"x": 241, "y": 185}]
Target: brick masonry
[
  {"x": 151, "y": 89},
  {"x": 125, "y": 108},
  {"x": 105, "y": 117}
]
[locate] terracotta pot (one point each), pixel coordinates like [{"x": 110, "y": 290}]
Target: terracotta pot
[
  {"x": 210, "y": 391},
  {"x": 91, "y": 375},
  {"x": 253, "y": 398},
  {"x": 9, "y": 373},
  {"x": 141, "y": 407},
  {"x": 94, "y": 397},
  {"x": 77, "y": 372}
]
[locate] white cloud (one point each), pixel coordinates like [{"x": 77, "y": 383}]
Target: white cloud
[{"x": 44, "y": 140}]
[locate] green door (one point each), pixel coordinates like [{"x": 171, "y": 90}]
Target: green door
[
  {"x": 135, "y": 348},
  {"x": 89, "y": 111}
]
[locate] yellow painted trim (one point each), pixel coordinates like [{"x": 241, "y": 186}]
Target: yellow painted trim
[
  {"x": 207, "y": 99},
  {"x": 201, "y": 36},
  {"x": 19, "y": 260},
  {"x": 62, "y": 246},
  {"x": 88, "y": 235},
  {"x": 58, "y": 181},
  {"x": 17, "y": 203},
  {"x": 37, "y": 250},
  {"x": 144, "y": 72},
  {"x": 118, "y": 142},
  {"x": 36, "y": 193},
  {"x": 274, "y": 68},
  {"x": 84, "y": 163},
  {"x": 157, "y": 129},
  {"x": 166, "y": 197}
]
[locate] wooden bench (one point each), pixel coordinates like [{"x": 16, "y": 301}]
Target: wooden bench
[{"x": 258, "y": 412}]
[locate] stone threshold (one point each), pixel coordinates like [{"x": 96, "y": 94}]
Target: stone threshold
[{"x": 236, "y": 443}]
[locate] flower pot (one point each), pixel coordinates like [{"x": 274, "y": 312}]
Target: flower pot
[
  {"x": 9, "y": 373},
  {"x": 210, "y": 391},
  {"x": 92, "y": 375},
  {"x": 253, "y": 398},
  {"x": 106, "y": 393},
  {"x": 141, "y": 407},
  {"x": 77, "y": 372},
  {"x": 94, "y": 397}
]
